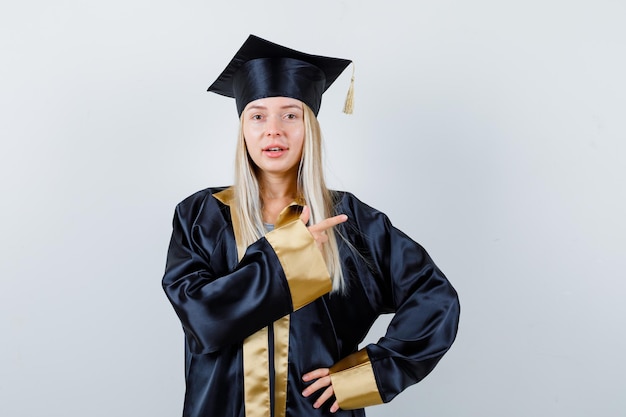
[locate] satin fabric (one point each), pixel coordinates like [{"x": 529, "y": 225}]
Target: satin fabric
[
  {"x": 279, "y": 77},
  {"x": 261, "y": 68},
  {"x": 221, "y": 300}
]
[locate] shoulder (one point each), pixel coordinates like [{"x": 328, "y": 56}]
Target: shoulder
[
  {"x": 193, "y": 205},
  {"x": 200, "y": 196},
  {"x": 348, "y": 203}
]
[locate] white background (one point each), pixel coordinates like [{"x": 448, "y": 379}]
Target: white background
[{"x": 492, "y": 132}]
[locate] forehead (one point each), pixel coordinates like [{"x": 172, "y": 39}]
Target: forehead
[{"x": 274, "y": 103}]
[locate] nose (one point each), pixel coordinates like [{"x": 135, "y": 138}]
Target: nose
[{"x": 273, "y": 126}]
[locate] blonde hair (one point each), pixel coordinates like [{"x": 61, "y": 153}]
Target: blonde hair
[{"x": 311, "y": 186}]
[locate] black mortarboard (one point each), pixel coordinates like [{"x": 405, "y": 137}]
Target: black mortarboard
[{"x": 264, "y": 69}]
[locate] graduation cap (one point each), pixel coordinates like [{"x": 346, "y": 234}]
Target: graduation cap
[{"x": 264, "y": 69}]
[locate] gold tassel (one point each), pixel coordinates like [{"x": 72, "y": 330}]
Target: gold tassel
[{"x": 348, "y": 106}]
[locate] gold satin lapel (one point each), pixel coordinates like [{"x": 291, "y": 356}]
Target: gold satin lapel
[
  {"x": 288, "y": 214},
  {"x": 281, "y": 332},
  {"x": 227, "y": 197},
  {"x": 256, "y": 382},
  {"x": 281, "y": 364},
  {"x": 255, "y": 347}
]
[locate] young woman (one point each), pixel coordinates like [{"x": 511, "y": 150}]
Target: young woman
[{"x": 277, "y": 279}]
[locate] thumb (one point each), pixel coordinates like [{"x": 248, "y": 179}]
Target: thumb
[{"x": 306, "y": 214}]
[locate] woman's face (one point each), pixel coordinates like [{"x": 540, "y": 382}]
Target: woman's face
[{"x": 273, "y": 129}]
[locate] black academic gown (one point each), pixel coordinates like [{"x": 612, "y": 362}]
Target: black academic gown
[{"x": 226, "y": 300}]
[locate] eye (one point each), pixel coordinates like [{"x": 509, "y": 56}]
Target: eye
[
  {"x": 256, "y": 117},
  {"x": 291, "y": 116}
]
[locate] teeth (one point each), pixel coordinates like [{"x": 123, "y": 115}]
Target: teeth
[{"x": 274, "y": 149}]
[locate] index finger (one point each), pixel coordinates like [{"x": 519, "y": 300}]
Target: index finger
[
  {"x": 329, "y": 222},
  {"x": 317, "y": 373}
]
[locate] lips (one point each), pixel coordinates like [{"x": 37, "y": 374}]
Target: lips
[{"x": 274, "y": 148}]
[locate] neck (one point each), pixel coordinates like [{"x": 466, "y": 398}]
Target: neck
[
  {"x": 276, "y": 194},
  {"x": 277, "y": 187}
]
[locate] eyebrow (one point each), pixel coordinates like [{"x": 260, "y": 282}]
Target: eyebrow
[{"x": 288, "y": 106}]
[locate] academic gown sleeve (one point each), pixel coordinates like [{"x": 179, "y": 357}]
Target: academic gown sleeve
[
  {"x": 404, "y": 280},
  {"x": 220, "y": 300}
]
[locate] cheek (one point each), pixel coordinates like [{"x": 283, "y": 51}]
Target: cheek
[
  {"x": 301, "y": 143},
  {"x": 247, "y": 133},
  {"x": 252, "y": 130},
  {"x": 298, "y": 138},
  {"x": 250, "y": 137}
]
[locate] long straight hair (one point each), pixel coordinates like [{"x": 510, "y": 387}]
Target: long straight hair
[{"x": 311, "y": 186}]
